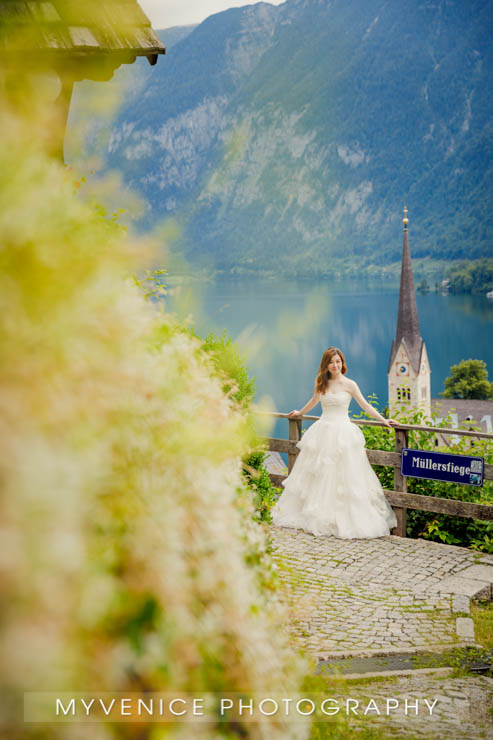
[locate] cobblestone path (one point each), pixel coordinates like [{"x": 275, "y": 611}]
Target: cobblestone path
[
  {"x": 378, "y": 597},
  {"x": 460, "y": 706}
]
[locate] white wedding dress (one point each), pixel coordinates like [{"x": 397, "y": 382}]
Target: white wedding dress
[{"x": 332, "y": 488}]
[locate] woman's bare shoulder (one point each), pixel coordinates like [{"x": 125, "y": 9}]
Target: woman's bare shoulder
[
  {"x": 350, "y": 383},
  {"x": 351, "y": 386}
]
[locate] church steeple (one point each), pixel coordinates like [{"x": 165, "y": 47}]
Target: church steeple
[
  {"x": 407, "y": 317},
  {"x": 409, "y": 369}
]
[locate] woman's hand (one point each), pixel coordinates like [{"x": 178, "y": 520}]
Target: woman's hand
[
  {"x": 391, "y": 423},
  {"x": 306, "y": 408}
]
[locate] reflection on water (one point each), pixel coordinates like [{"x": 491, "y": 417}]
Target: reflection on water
[
  {"x": 285, "y": 325},
  {"x": 477, "y": 306}
]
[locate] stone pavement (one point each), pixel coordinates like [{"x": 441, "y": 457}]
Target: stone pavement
[
  {"x": 460, "y": 706},
  {"x": 389, "y": 596},
  {"x": 380, "y": 596}
]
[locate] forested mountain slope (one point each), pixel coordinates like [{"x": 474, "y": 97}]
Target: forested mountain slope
[{"x": 289, "y": 137}]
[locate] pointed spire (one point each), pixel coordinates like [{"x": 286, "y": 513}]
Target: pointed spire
[{"x": 407, "y": 317}]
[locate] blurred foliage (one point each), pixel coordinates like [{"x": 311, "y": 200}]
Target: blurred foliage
[
  {"x": 468, "y": 379},
  {"x": 126, "y": 550},
  {"x": 229, "y": 363},
  {"x": 152, "y": 283},
  {"x": 452, "y": 530}
]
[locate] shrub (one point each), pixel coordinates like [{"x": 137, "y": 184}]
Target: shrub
[
  {"x": 124, "y": 542},
  {"x": 230, "y": 366},
  {"x": 451, "y": 530}
]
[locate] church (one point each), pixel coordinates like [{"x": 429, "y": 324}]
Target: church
[{"x": 409, "y": 368}]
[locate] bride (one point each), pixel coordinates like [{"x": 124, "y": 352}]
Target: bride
[{"x": 332, "y": 489}]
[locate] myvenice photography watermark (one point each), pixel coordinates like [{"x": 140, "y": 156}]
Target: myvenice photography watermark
[{"x": 52, "y": 707}]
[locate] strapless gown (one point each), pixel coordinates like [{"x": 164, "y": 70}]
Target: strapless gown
[{"x": 332, "y": 488}]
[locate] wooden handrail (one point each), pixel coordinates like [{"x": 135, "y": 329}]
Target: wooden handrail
[
  {"x": 376, "y": 457},
  {"x": 400, "y": 499},
  {"x": 370, "y": 423}
]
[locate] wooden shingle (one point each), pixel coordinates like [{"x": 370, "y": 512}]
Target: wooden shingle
[
  {"x": 74, "y": 40},
  {"x": 90, "y": 28}
]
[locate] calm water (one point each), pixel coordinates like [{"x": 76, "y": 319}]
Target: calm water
[{"x": 284, "y": 326}]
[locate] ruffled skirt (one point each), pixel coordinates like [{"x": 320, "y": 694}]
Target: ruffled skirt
[{"x": 332, "y": 488}]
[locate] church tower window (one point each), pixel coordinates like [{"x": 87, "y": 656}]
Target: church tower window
[{"x": 403, "y": 393}]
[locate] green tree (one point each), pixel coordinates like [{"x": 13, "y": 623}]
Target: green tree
[
  {"x": 468, "y": 379},
  {"x": 471, "y": 276}
]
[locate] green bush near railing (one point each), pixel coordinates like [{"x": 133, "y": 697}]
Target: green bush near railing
[
  {"x": 229, "y": 364},
  {"x": 451, "y": 530}
]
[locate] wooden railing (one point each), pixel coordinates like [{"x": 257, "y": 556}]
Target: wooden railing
[{"x": 399, "y": 498}]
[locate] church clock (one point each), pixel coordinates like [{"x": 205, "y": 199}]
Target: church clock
[{"x": 402, "y": 369}]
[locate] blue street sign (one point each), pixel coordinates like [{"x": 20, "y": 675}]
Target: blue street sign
[{"x": 442, "y": 466}]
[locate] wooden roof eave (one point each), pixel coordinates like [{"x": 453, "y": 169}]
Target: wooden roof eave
[
  {"x": 82, "y": 64},
  {"x": 70, "y": 45}
]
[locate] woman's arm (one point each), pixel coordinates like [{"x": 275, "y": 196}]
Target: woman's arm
[
  {"x": 359, "y": 398},
  {"x": 307, "y": 407}
]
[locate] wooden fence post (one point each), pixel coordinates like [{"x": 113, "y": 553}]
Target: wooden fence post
[
  {"x": 400, "y": 483},
  {"x": 294, "y": 436}
]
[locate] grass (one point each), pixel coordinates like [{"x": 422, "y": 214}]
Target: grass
[
  {"x": 482, "y": 614},
  {"x": 343, "y": 731},
  {"x": 338, "y": 682},
  {"x": 340, "y": 727}
]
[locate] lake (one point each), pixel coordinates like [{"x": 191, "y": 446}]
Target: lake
[{"x": 283, "y": 326}]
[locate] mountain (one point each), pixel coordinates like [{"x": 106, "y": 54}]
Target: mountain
[
  {"x": 171, "y": 36},
  {"x": 289, "y": 137}
]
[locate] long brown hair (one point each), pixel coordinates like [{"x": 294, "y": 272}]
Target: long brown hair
[{"x": 323, "y": 377}]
